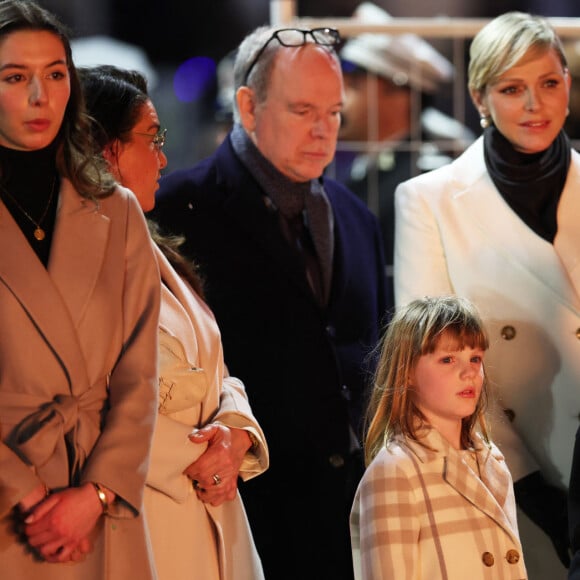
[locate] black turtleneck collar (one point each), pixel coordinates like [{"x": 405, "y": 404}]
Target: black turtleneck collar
[
  {"x": 25, "y": 171},
  {"x": 530, "y": 183}
]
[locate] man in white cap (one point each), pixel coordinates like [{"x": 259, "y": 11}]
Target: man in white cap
[{"x": 389, "y": 81}]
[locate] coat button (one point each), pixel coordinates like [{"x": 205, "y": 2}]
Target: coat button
[
  {"x": 508, "y": 332},
  {"x": 345, "y": 392},
  {"x": 488, "y": 559},
  {"x": 510, "y": 414},
  {"x": 331, "y": 331},
  {"x": 336, "y": 460},
  {"x": 512, "y": 556}
]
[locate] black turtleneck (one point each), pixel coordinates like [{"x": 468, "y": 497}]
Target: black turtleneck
[
  {"x": 530, "y": 183},
  {"x": 29, "y": 184}
]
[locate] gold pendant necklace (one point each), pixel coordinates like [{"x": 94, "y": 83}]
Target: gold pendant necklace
[{"x": 39, "y": 233}]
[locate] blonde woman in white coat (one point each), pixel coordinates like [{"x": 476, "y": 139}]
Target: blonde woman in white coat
[
  {"x": 499, "y": 226},
  {"x": 206, "y": 435}
]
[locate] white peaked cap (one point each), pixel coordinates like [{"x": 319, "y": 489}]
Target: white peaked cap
[{"x": 404, "y": 59}]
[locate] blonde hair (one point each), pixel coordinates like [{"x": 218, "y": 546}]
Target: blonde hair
[
  {"x": 504, "y": 42},
  {"x": 414, "y": 331}
]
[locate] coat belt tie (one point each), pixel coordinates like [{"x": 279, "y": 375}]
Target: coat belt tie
[{"x": 52, "y": 426}]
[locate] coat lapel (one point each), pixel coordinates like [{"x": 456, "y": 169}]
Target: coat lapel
[
  {"x": 51, "y": 301},
  {"x": 567, "y": 241},
  {"x": 176, "y": 317},
  {"x": 501, "y": 229},
  {"x": 74, "y": 250},
  {"x": 340, "y": 257},
  {"x": 487, "y": 492},
  {"x": 186, "y": 316}
]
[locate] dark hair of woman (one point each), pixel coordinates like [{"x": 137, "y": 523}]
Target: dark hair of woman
[
  {"x": 169, "y": 245},
  {"x": 114, "y": 98}
]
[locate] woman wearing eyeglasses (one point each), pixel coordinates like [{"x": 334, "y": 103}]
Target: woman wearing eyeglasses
[
  {"x": 206, "y": 435},
  {"x": 128, "y": 134}
]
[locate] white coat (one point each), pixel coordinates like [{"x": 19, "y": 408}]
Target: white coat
[
  {"x": 193, "y": 540},
  {"x": 456, "y": 234}
]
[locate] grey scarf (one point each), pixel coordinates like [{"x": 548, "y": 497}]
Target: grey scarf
[{"x": 291, "y": 198}]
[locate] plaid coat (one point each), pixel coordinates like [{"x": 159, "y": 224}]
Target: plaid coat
[{"x": 426, "y": 515}]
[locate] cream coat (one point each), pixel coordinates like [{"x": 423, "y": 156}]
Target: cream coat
[
  {"x": 440, "y": 514},
  {"x": 193, "y": 540},
  {"x": 79, "y": 339},
  {"x": 456, "y": 234}
]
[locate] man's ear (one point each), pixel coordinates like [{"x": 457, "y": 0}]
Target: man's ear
[{"x": 246, "y": 101}]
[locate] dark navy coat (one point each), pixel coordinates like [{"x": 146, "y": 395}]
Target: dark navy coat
[{"x": 305, "y": 367}]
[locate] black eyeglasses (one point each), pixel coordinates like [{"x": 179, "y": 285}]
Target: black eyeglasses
[
  {"x": 296, "y": 37},
  {"x": 158, "y": 139}
]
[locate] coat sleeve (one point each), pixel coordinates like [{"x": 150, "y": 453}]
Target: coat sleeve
[
  {"x": 235, "y": 412},
  {"x": 384, "y": 523},
  {"x": 172, "y": 451},
  {"x": 180, "y": 404},
  {"x": 420, "y": 265},
  {"x": 120, "y": 457}
]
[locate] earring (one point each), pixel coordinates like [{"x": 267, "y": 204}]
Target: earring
[{"x": 484, "y": 121}]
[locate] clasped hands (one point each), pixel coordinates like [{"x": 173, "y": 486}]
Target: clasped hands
[
  {"x": 215, "y": 473},
  {"x": 57, "y": 526}
]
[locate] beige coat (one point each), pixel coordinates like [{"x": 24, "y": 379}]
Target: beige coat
[
  {"x": 456, "y": 234},
  {"x": 440, "y": 514},
  {"x": 193, "y": 540},
  {"x": 79, "y": 340}
]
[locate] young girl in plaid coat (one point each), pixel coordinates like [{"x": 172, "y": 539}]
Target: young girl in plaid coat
[{"x": 436, "y": 500}]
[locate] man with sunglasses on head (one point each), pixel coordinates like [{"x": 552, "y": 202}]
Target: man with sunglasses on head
[{"x": 295, "y": 275}]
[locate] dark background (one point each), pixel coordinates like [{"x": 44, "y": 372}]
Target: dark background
[{"x": 173, "y": 31}]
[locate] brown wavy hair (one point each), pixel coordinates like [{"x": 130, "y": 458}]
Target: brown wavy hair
[
  {"x": 413, "y": 331},
  {"x": 75, "y": 158}
]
